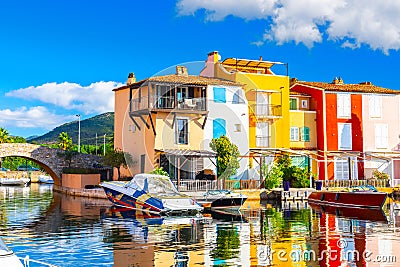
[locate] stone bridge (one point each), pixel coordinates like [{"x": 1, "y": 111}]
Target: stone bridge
[{"x": 50, "y": 159}]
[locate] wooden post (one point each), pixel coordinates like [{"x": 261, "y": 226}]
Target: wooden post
[{"x": 179, "y": 172}]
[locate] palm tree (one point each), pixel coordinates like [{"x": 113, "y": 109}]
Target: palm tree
[
  {"x": 4, "y": 136},
  {"x": 65, "y": 141}
]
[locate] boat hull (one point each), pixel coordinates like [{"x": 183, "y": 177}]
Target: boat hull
[
  {"x": 133, "y": 202},
  {"x": 365, "y": 199},
  {"x": 124, "y": 196},
  {"x": 228, "y": 202},
  {"x": 365, "y": 214}
]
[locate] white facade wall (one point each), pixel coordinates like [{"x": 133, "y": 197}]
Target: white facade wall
[
  {"x": 381, "y": 117},
  {"x": 234, "y": 113}
]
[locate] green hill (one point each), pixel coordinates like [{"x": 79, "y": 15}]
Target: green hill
[{"x": 100, "y": 124}]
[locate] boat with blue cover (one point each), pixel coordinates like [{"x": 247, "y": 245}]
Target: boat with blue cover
[{"x": 153, "y": 193}]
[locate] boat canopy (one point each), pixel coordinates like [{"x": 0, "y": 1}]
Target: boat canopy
[{"x": 154, "y": 184}]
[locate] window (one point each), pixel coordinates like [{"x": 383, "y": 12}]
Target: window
[
  {"x": 238, "y": 127},
  {"x": 375, "y": 106},
  {"x": 341, "y": 169},
  {"x": 304, "y": 103},
  {"x": 293, "y": 103},
  {"x": 262, "y": 134},
  {"x": 219, "y": 128},
  {"x": 344, "y": 136},
  {"x": 305, "y": 134},
  {"x": 301, "y": 162},
  {"x": 343, "y": 105},
  {"x": 294, "y": 133},
  {"x": 381, "y": 135},
  {"x": 237, "y": 97},
  {"x": 182, "y": 132},
  {"x": 219, "y": 95}
]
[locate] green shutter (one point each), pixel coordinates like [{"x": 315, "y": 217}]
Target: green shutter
[
  {"x": 305, "y": 134},
  {"x": 293, "y": 104}
]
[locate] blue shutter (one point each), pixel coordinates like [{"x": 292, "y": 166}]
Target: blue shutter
[
  {"x": 219, "y": 95},
  {"x": 219, "y": 128}
]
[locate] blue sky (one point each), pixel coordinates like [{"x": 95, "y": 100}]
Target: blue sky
[{"x": 61, "y": 58}]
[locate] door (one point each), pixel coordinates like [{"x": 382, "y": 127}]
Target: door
[{"x": 262, "y": 134}]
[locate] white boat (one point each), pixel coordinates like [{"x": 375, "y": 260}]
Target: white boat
[
  {"x": 151, "y": 192},
  {"x": 7, "y": 257},
  {"x": 46, "y": 179},
  {"x": 222, "y": 199},
  {"x": 14, "y": 181}
]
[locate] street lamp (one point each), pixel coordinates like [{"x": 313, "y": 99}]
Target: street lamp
[
  {"x": 104, "y": 145},
  {"x": 79, "y": 132}
]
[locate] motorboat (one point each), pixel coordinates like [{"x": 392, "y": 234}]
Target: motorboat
[
  {"x": 45, "y": 179},
  {"x": 360, "y": 196},
  {"x": 7, "y": 257},
  {"x": 222, "y": 199},
  {"x": 151, "y": 192},
  {"x": 14, "y": 181}
]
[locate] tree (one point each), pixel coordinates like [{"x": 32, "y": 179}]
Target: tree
[
  {"x": 65, "y": 141},
  {"x": 117, "y": 158},
  {"x": 227, "y": 156},
  {"x": 4, "y": 136},
  {"x": 160, "y": 171}
]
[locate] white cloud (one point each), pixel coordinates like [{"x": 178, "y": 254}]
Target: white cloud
[
  {"x": 32, "y": 117},
  {"x": 350, "y": 22},
  {"x": 96, "y": 98}
]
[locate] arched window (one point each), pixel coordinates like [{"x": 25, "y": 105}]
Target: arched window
[{"x": 219, "y": 128}]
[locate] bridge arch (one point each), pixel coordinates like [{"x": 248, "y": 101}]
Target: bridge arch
[{"x": 48, "y": 158}]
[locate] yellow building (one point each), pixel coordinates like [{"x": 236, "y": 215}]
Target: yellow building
[
  {"x": 267, "y": 94},
  {"x": 303, "y": 131}
]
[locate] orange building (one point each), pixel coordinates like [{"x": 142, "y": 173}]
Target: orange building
[{"x": 161, "y": 121}]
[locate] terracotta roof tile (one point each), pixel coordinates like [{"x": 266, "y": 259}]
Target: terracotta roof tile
[
  {"x": 358, "y": 88},
  {"x": 183, "y": 80}
]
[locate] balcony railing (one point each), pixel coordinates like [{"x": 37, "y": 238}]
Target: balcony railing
[
  {"x": 262, "y": 141},
  {"x": 198, "y": 104},
  {"x": 266, "y": 110}
]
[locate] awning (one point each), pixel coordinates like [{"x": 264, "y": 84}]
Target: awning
[
  {"x": 249, "y": 63},
  {"x": 189, "y": 153}
]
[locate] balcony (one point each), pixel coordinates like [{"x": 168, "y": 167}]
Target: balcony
[
  {"x": 267, "y": 111},
  {"x": 168, "y": 104}
]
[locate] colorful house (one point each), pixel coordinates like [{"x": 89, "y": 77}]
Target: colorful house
[
  {"x": 267, "y": 94},
  {"x": 168, "y": 121},
  {"x": 303, "y": 131},
  {"x": 343, "y": 128}
]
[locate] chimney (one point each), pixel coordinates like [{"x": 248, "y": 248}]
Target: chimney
[
  {"x": 182, "y": 71},
  {"x": 213, "y": 57},
  {"x": 131, "y": 78},
  {"x": 260, "y": 58},
  {"x": 293, "y": 81},
  {"x": 337, "y": 80}
]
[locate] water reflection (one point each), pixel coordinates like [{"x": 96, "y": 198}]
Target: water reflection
[{"x": 72, "y": 231}]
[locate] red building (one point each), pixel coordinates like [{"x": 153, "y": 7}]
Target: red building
[{"x": 339, "y": 127}]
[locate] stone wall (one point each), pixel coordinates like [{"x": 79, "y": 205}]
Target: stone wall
[{"x": 48, "y": 158}]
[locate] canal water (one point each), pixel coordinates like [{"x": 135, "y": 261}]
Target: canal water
[{"x": 68, "y": 231}]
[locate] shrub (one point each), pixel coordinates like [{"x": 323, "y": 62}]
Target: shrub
[
  {"x": 380, "y": 175},
  {"x": 72, "y": 170}
]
